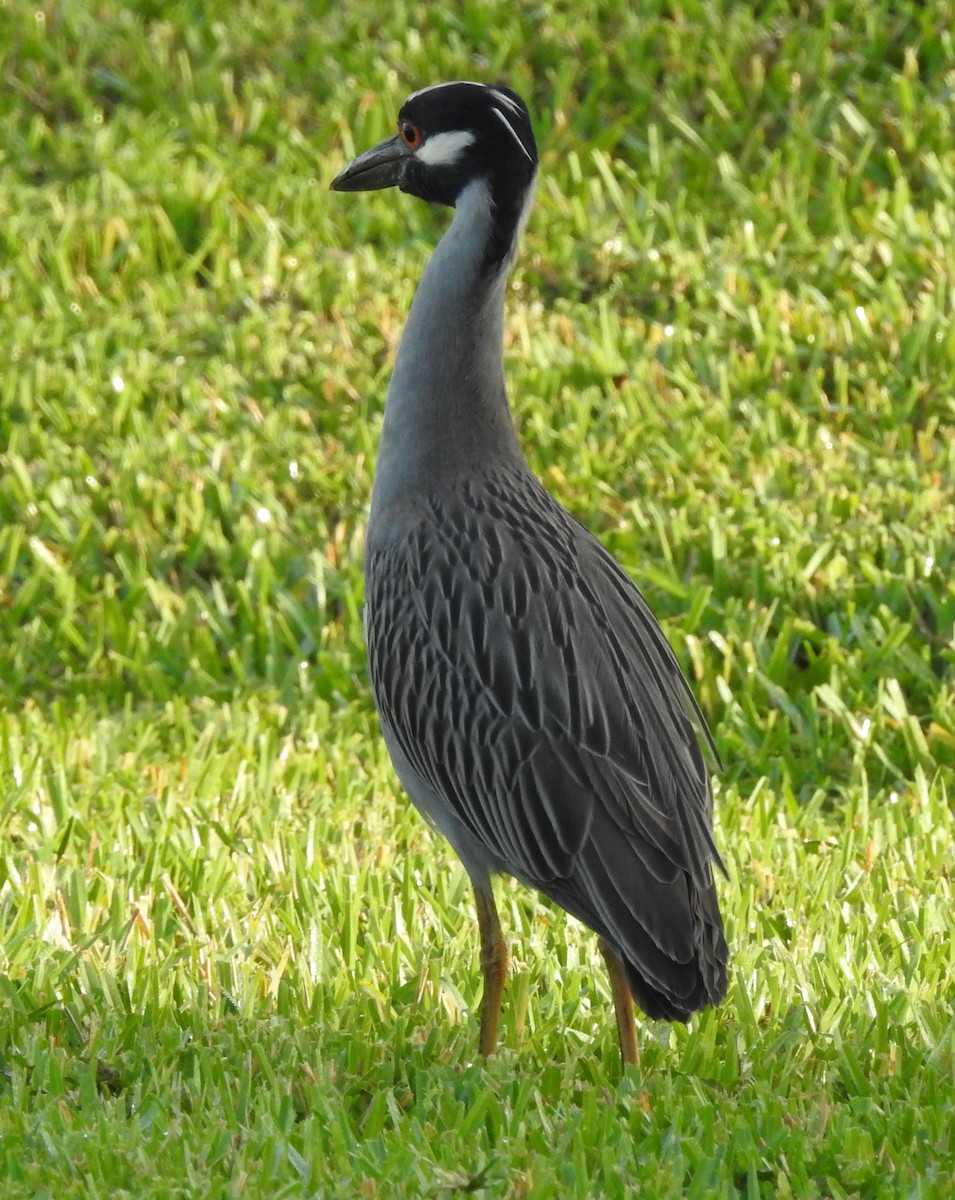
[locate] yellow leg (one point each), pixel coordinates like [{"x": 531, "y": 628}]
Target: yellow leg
[
  {"x": 493, "y": 967},
  {"x": 622, "y": 1005}
]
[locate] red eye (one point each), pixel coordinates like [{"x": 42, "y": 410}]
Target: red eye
[{"x": 410, "y": 135}]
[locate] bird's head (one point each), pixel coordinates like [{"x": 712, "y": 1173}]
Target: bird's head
[{"x": 449, "y": 136}]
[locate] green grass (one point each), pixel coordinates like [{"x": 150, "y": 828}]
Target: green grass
[{"x": 234, "y": 964}]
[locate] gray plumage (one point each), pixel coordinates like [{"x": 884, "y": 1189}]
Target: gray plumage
[{"x": 531, "y": 705}]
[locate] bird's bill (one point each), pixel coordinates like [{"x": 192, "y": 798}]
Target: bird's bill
[{"x": 379, "y": 167}]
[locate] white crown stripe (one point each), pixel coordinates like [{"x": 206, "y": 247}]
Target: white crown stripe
[
  {"x": 436, "y": 86},
  {"x": 510, "y": 129}
]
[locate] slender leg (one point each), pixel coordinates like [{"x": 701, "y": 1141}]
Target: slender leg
[
  {"x": 493, "y": 965},
  {"x": 622, "y": 1005}
]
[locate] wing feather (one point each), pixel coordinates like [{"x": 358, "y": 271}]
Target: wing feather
[{"x": 569, "y": 738}]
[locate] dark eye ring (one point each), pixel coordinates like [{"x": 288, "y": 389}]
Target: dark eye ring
[{"x": 410, "y": 134}]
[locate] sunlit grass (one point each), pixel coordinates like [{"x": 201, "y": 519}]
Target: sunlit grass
[{"x": 232, "y": 961}]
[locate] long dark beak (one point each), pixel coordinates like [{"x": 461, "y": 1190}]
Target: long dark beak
[{"x": 379, "y": 167}]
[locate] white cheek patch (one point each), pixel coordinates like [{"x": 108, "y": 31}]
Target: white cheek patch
[{"x": 444, "y": 149}]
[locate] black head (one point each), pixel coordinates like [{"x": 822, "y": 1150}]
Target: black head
[{"x": 449, "y": 136}]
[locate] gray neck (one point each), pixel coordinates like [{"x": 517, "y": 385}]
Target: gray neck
[{"x": 447, "y": 407}]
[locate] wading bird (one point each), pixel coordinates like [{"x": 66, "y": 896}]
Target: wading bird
[{"x": 531, "y": 705}]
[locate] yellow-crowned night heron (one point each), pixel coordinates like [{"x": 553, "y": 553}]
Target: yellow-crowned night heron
[{"x": 531, "y": 705}]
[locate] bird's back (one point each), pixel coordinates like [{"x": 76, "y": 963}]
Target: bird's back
[{"x": 540, "y": 715}]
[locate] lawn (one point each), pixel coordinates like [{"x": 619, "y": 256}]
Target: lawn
[{"x": 233, "y": 962}]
